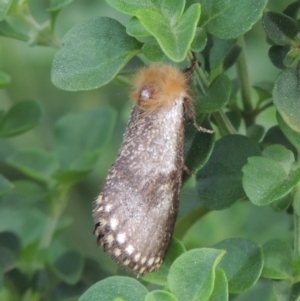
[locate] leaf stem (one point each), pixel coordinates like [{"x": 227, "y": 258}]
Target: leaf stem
[
  {"x": 39, "y": 33},
  {"x": 224, "y": 124},
  {"x": 184, "y": 224},
  {"x": 243, "y": 76},
  {"x": 296, "y": 235},
  {"x": 264, "y": 107},
  {"x": 58, "y": 202}
]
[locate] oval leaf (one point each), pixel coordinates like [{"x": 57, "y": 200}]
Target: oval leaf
[
  {"x": 242, "y": 263},
  {"x": 192, "y": 275},
  {"x": 229, "y": 19},
  {"x": 279, "y": 27},
  {"x": 219, "y": 182},
  {"x": 115, "y": 288},
  {"x": 170, "y": 9},
  {"x": 277, "y": 260},
  {"x": 35, "y": 163},
  {"x": 22, "y": 117},
  {"x": 174, "y": 39},
  {"x": 68, "y": 267},
  {"x": 76, "y": 146},
  {"x": 217, "y": 95},
  {"x": 286, "y": 97},
  {"x": 269, "y": 178},
  {"x": 92, "y": 55}
]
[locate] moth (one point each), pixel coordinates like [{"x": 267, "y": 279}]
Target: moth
[{"x": 136, "y": 211}]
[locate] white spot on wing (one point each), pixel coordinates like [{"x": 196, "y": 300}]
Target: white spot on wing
[
  {"x": 108, "y": 208},
  {"x": 150, "y": 261},
  {"x": 137, "y": 256},
  {"x": 129, "y": 249},
  {"x": 114, "y": 223},
  {"x": 121, "y": 238}
]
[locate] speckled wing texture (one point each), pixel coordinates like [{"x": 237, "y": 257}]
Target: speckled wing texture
[{"x": 136, "y": 211}]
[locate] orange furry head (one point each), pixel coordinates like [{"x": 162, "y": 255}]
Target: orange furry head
[{"x": 159, "y": 86}]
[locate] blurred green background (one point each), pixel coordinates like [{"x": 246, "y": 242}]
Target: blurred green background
[{"x": 30, "y": 70}]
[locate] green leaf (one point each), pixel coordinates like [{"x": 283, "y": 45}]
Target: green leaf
[
  {"x": 4, "y": 79},
  {"x": 286, "y": 97},
  {"x": 160, "y": 296},
  {"x": 24, "y": 192},
  {"x": 22, "y": 117},
  {"x": 282, "y": 290},
  {"x": 231, "y": 18},
  {"x": 292, "y": 9},
  {"x": 200, "y": 40},
  {"x": 153, "y": 52},
  {"x": 264, "y": 90},
  {"x": 295, "y": 292},
  {"x": 255, "y": 132},
  {"x": 68, "y": 267},
  {"x": 93, "y": 53},
  {"x": 94, "y": 271},
  {"x": 130, "y": 7},
  {"x": 56, "y": 5},
  {"x": 10, "y": 247},
  {"x": 217, "y": 96},
  {"x": 271, "y": 177},
  {"x": 275, "y": 136},
  {"x": 1, "y": 282},
  {"x": 77, "y": 147},
  {"x": 175, "y": 249},
  {"x": 5, "y": 185},
  {"x": 136, "y": 29},
  {"x": 170, "y": 9},
  {"x": 4, "y": 7},
  {"x": 219, "y": 51},
  {"x": 292, "y": 135},
  {"x": 279, "y": 27},
  {"x": 277, "y": 55},
  {"x": 64, "y": 291},
  {"x": 220, "y": 292},
  {"x": 242, "y": 263},
  {"x": 219, "y": 182},
  {"x": 283, "y": 203},
  {"x": 115, "y": 288},
  {"x": 292, "y": 58},
  {"x": 35, "y": 163},
  {"x": 296, "y": 201},
  {"x": 192, "y": 275},
  {"x": 198, "y": 147},
  {"x": 277, "y": 260},
  {"x": 7, "y": 30},
  {"x": 174, "y": 39}
]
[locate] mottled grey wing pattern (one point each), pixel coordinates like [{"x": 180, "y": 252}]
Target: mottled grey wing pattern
[{"x": 136, "y": 210}]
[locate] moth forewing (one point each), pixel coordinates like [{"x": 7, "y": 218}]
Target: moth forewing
[{"x": 136, "y": 211}]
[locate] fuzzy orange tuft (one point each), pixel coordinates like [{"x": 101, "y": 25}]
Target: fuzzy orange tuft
[{"x": 159, "y": 86}]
